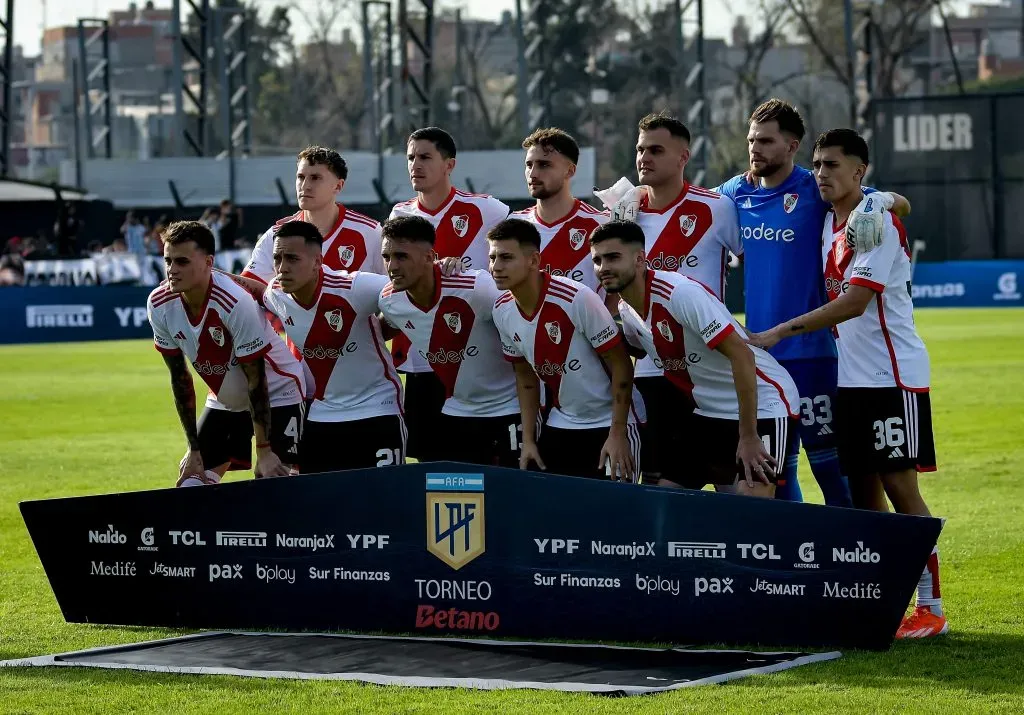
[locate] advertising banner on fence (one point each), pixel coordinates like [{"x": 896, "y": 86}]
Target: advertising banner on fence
[
  {"x": 114, "y": 268},
  {"x": 995, "y": 284},
  {"x": 46, "y": 314},
  {"x": 447, "y": 548}
]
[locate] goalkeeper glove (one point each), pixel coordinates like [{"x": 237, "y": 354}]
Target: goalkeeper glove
[
  {"x": 622, "y": 199},
  {"x": 866, "y": 225}
]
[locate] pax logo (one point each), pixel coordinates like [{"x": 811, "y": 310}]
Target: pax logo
[
  {"x": 711, "y": 585},
  {"x": 460, "y": 224},
  {"x": 225, "y": 572}
]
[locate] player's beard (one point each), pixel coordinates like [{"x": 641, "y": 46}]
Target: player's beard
[
  {"x": 542, "y": 192},
  {"x": 769, "y": 169},
  {"x": 620, "y": 284}
]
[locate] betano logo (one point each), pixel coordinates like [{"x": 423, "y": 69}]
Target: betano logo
[{"x": 455, "y": 517}]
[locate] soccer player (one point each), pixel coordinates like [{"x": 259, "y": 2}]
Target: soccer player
[
  {"x": 351, "y": 240},
  {"x": 564, "y": 222},
  {"x": 330, "y": 317},
  {"x": 883, "y": 412},
  {"x": 745, "y": 402},
  {"x": 460, "y": 221},
  {"x": 560, "y": 330},
  {"x": 255, "y": 383},
  {"x": 780, "y": 220},
  {"x": 448, "y": 321},
  {"x": 688, "y": 230}
]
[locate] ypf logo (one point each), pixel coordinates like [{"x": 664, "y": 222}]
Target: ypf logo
[
  {"x": 789, "y": 202},
  {"x": 454, "y": 322},
  {"x": 554, "y": 331},
  {"x": 687, "y": 224},
  {"x": 460, "y": 224},
  {"x": 335, "y": 320},
  {"x": 576, "y": 238},
  {"x": 346, "y": 254},
  {"x": 455, "y": 517},
  {"x": 218, "y": 336}
]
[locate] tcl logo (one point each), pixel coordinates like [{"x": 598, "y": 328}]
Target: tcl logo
[
  {"x": 758, "y": 551},
  {"x": 226, "y": 571},
  {"x": 186, "y": 538}
]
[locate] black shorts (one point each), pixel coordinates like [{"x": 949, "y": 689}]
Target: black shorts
[
  {"x": 883, "y": 430},
  {"x": 667, "y": 432},
  {"x": 356, "y": 444},
  {"x": 575, "y": 451},
  {"x": 227, "y": 436},
  {"x": 481, "y": 440},
  {"x": 719, "y": 438},
  {"x": 424, "y": 398}
]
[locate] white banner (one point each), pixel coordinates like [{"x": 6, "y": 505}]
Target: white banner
[{"x": 113, "y": 268}]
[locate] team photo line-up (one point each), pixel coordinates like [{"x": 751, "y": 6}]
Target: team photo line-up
[{"x": 562, "y": 337}]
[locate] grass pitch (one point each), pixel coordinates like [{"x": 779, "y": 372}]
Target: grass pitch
[{"x": 97, "y": 417}]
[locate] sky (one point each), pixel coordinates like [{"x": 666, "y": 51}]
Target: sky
[{"x": 29, "y": 14}]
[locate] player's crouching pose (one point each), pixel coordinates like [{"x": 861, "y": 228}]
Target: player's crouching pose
[
  {"x": 355, "y": 419},
  {"x": 560, "y": 330},
  {"x": 883, "y": 412},
  {"x": 255, "y": 383},
  {"x": 744, "y": 400}
]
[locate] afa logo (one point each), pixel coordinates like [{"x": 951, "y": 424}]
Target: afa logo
[
  {"x": 455, "y": 517},
  {"x": 789, "y": 202}
]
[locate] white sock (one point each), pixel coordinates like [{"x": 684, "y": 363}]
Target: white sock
[{"x": 928, "y": 592}]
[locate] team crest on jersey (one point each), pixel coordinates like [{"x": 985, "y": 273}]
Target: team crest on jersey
[
  {"x": 839, "y": 247},
  {"x": 347, "y": 254},
  {"x": 665, "y": 329},
  {"x": 687, "y": 224},
  {"x": 218, "y": 336},
  {"x": 335, "y": 319},
  {"x": 460, "y": 224},
  {"x": 789, "y": 202},
  {"x": 554, "y": 331},
  {"x": 576, "y": 237},
  {"x": 453, "y": 321}
]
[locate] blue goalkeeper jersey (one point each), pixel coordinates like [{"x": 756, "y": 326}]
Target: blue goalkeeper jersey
[{"x": 782, "y": 268}]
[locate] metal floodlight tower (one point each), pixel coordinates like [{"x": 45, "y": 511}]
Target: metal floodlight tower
[
  {"x": 231, "y": 30},
  {"x": 185, "y": 50},
  {"x": 378, "y": 76},
  {"x": 94, "y": 60},
  {"x": 692, "y": 95},
  {"x": 415, "y": 97}
]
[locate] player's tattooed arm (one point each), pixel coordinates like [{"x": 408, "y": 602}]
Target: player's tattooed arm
[
  {"x": 184, "y": 397},
  {"x": 268, "y": 464},
  {"x": 616, "y": 448},
  {"x": 851, "y": 304},
  {"x": 751, "y": 454}
]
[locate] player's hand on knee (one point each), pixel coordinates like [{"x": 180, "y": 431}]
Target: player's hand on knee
[
  {"x": 530, "y": 453},
  {"x": 269, "y": 464},
  {"x": 758, "y": 465},
  {"x": 866, "y": 224},
  {"x": 191, "y": 465}
]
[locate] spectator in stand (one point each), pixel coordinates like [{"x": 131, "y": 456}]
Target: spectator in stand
[
  {"x": 155, "y": 242},
  {"x": 118, "y": 246},
  {"x": 134, "y": 233},
  {"x": 65, "y": 230},
  {"x": 230, "y": 224},
  {"x": 12, "y": 265},
  {"x": 93, "y": 247},
  {"x": 211, "y": 217}
]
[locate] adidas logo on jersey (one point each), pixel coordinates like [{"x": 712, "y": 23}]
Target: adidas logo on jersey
[
  {"x": 747, "y": 204},
  {"x": 825, "y": 429},
  {"x": 409, "y": 325},
  {"x": 289, "y": 321},
  {"x": 896, "y": 453},
  {"x": 179, "y": 336},
  {"x": 515, "y": 336}
]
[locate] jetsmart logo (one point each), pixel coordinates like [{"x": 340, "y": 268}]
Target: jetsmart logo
[
  {"x": 860, "y": 555},
  {"x": 241, "y": 538},
  {"x": 110, "y": 536}
]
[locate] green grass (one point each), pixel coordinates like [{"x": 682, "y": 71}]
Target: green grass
[{"x": 92, "y": 418}]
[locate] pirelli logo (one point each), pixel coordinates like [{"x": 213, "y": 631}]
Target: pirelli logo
[{"x": 241, "y": 538}]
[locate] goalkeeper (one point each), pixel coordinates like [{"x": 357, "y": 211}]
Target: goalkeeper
[{"x": 781, "y": 215}]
